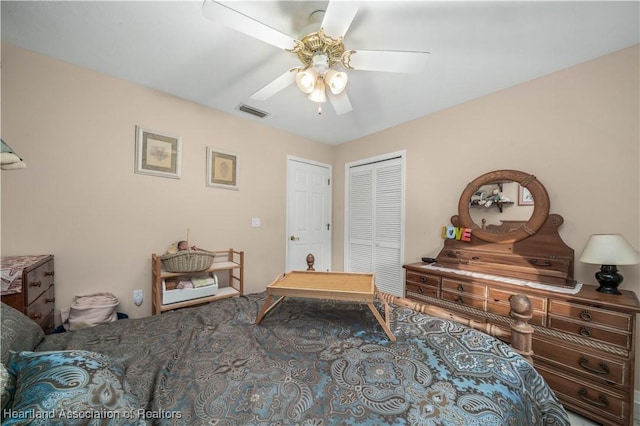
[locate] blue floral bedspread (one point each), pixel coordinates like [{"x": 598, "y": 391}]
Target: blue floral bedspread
[{"x": 312, "y": 362}]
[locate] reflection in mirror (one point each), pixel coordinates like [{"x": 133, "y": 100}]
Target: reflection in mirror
[
  {"x": 501, "y": 221},
  {"x": 498, "y": 204}
]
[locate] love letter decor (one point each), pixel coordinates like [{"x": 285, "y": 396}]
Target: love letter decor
[{"x": 455, "y": 233}]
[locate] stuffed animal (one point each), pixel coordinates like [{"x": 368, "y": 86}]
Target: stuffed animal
[{"x": 179, "y": 246}]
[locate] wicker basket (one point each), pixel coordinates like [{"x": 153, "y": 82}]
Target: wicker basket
[{"x": 187, "y": 261}]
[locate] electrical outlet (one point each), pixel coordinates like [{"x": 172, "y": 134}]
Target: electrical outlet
[{"x": 137, "y": 297}]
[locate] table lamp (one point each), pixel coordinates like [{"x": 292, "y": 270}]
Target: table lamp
[{"x": 609, "y": 250}]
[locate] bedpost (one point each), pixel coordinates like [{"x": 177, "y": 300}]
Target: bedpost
[{"x": 521, "y": 331}]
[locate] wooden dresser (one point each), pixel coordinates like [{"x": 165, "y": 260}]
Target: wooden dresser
[
  {"x": 28, "y": 286},
  {"x": 584, "y": 344},
  {"x": 583, "y": 340}
]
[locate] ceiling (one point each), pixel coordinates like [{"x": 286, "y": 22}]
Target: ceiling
[{"x": 476, "y": 48}]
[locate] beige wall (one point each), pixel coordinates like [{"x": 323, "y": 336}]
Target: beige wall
[
  {"x": 80, "y": 200},
  {"x": 577, "y": 130}
]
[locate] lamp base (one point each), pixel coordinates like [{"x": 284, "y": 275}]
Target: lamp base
[{"x": 609, "y": 279}]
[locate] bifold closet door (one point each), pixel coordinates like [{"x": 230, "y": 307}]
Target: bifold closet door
[{"x": 375, "y": 220}]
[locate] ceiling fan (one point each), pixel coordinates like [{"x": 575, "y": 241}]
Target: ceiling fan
[{"x": 321, "y": 52}]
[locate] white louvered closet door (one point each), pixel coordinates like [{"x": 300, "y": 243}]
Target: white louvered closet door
[{"x": 376, "y": 222}]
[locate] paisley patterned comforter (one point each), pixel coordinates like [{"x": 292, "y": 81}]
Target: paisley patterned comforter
[{"x": 313, "y": 362}]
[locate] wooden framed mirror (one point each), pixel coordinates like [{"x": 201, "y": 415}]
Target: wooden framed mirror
[{"x": 524, "y": 228}]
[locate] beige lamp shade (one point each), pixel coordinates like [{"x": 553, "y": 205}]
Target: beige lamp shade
[
  {"x": 306, "y": 80},
  {"x": 609, "y": 249},
  {"x": 337, "y": 81}
]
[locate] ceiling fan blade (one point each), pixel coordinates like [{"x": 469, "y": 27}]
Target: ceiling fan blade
[
  {"x": 338, "y": 18},
  {"x": 280, "y": 83},
  {"x": 238, "y": 21},
  {"x": 340, "y": 103},
  {"x": 386, "y": 60}
]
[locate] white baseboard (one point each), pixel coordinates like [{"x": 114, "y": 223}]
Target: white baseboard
[{"x": 636, "y": 397}]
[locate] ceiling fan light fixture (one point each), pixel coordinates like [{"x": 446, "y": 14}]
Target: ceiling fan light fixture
[
  {"x": 306, "y": 80},
  {"x": 336, "y": 80},
  {"x": 318, "y": 94},
  {"x": 318, "y": 52}
]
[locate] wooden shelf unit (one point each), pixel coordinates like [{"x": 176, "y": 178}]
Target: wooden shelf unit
[{"x": 231, "y": 261}]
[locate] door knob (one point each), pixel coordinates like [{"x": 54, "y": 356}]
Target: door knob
[{"x": 294, "y": 238}]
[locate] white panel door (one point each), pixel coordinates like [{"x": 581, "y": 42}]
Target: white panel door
[
  {"x": 308, "y": 214},
  {"x": 375, "y": 222}
]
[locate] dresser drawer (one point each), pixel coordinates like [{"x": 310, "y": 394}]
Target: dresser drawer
[
  {"x": 42, "y": 307},
  {"x": 464, "y": 287},
  {"x": 463, "y": 299},
  {"x": 507, "y": 261},
  {"x": 585, "y": 362},
  {"x": 499, "y": 302},
  {"x": 421, "y": 289},
  {"x": 602, "y": 401},
  {"x": 502, "y": 296},
  {"x": 588, "y": 330},
  {"x": 504, "y": 309},
  {"x": 423, "y": 279},
  {"x": 548, "y": 269},
  {"x": 49, "y": 324},
  {"x": 38, "y": 280},
  {"x": 591, "y": 315}
]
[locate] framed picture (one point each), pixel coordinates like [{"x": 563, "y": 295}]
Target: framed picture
[
  {"x": 158, "y": 154},
  {"x": 222, "y": 169},
  {"x": 524, "y": 196}
]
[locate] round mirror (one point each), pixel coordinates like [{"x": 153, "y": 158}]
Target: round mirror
[{"x": 503, "y": 206}]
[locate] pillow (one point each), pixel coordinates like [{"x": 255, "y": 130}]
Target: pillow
[
  {"x": 7, "y": 387},
  {"x": 19, "y": 332},
  {"x": 69, "y": 387}
]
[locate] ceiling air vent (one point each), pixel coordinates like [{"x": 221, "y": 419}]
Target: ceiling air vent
[{"x": 252, "y": 111}]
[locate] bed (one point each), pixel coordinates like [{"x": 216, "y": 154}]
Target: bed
[{"x": 309, "y": 362}]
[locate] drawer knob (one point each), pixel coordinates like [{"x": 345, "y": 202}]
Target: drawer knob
[
  {"x": 35, "y": 316},
  {"x": 460, "y": 299},
  {"x": 602, "y": 401},
  {"x": 585, "y": 315},
  {"x": 460, "y": 287},
  {"x": 420, "y": 290},
  {"x": 603, "y": 368},
  {"x": 49, "y": 273},
  {"x": 50, "y": 300},
  {"x": 585, "y": 331},
  {"x": 423, "y": 279},
  {"x": 36, "y": 284}
]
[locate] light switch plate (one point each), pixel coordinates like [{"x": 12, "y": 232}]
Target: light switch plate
[{"x": 256, "y": 222}]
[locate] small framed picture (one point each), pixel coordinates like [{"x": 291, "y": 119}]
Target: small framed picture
[
  {"x": 158, "y": 154},
  {"x": 222, "y": 169},
  {"x": 524, "y": 196}
]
